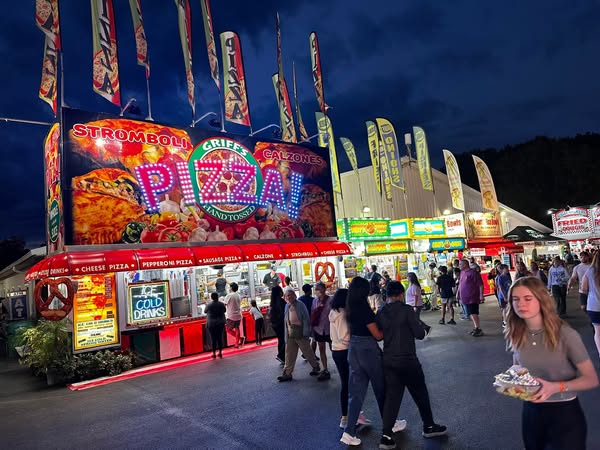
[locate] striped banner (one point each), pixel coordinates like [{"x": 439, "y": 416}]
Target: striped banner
[
  {"x": 351, "y": 153},
  {"x": 315, "y": 59},
  {"x": 46, "y": 18},
  {"x": 392, "y": 152},
  {"x": 486, "y": 185},
  {"x": 105, "y": 63},
  {"x": 211, "y": 45},
  {"x": 423, "y": 158},
  {"x": 184, "y": 21},
  {"x": 326, "y": 139},
  {"x": 454, "y": 181},
  {"x": 48, "y": 85},
  {"x": 373, "y": 139},
  {"x": 286, "y": 120},
  {"x": 234, "y": 89},
  {"x": 301, "y": 128},
  {"x": 141, "y": 44}
]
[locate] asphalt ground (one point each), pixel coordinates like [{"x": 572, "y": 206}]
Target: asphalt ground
[{"x": 236, "y": 402}]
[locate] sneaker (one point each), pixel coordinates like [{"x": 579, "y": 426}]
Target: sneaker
[
  {"x": 316, "y": 371},
  {"x": 400, "y": 425},
  {"x": 477, "y": 332},
  {"x": 343, "y": 422},
  {"x": 213, "y": 356},
  {"x": 324, "y": 375},
  {"x": 386, "y": 443},
  {"x": 427, "y": 332},
  {"x": 434, "y": 430},
  {"x": 284, "y": 377},
  {"x": 464, "y": 318},
  {"x": 362, "y": 420},
  {"x": 281, "y": 361},
  {"x": 243, "y": 338},
  {"x": 442, "y": 322},
  {"x": 220, "y": 355},
  {"x": 349, "y": 440},
  {"x": 303, "y": 357},
  {"x": 451, "y": 322}
]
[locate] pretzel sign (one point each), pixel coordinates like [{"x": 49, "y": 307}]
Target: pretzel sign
[
  {"x": 325, "y": 272},
  {"x": 54, "y": 292}
]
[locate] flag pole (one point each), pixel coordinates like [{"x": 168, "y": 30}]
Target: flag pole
[
  {"x": 223, "y": 113},
  {"x": 148, "y": 96},
  {"x": 62, "y": 82}
]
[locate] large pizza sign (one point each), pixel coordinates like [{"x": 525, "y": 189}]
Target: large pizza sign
[{"x": 136, "y": 182}]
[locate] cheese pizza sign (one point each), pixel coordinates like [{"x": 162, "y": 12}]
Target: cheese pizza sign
[
  {"x": 136, "y": 182},
  {"x": 573, "y": 221}
]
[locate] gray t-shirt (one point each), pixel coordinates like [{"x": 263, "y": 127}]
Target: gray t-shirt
[
  {"x": 593, "y": 300},
  {"x": 557, "y": 365}
]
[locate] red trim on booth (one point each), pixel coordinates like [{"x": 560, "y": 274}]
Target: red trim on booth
[{"x": 85, "y": 263}]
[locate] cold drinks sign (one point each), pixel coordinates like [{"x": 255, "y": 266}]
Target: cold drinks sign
[{"x": 148, "y": 302}]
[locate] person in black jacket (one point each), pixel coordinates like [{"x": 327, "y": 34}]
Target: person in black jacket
[
  {"x": 277, "y": 313},
  {"x": 215, "y": 322},
  {"x": 401, "y": 367}
]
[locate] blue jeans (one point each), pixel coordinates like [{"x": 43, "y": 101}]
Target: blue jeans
[{"x": 366, "y": 364}]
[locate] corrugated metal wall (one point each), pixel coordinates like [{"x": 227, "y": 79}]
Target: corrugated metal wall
[{"x": 419, "y": 203}]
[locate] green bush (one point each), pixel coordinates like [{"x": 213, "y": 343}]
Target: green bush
[{"x": 100, "y": 364}]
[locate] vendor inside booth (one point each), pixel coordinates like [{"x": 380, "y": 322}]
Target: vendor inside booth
[{"x": 143, "y": 219}]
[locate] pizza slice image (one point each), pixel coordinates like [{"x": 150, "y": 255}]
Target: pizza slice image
[{"x": 104, "y": 202}]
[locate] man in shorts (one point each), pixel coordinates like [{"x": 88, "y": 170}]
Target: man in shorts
[
  {"x": 446, "y": 286},
  {"x": 471, "y": 294},
  {"x": 319, "y": 320},
  {"x": 234, "y": 315},
  {"x": 577, "y": 276}
]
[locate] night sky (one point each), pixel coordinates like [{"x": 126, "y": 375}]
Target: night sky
[{"x": 473, "y": 74}]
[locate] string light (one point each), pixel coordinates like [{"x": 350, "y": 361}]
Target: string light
[
  {"x": 294, "y": 208},
  {"x": 152, "y": 189},
  {"x": 273, "y": 189}
]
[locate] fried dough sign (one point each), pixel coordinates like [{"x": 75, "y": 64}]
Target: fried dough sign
[
  {"x": 325, "y": 272},
  {"x": 54, "y": 292}
]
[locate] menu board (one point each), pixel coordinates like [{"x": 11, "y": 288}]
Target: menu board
[
  {"x": 95, "y": 321},
  {"x": 148, "y": 302}
]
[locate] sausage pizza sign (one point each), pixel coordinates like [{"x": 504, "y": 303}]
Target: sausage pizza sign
[{"x": 141, "y": 182}]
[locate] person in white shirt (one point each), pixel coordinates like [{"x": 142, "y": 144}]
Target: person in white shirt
[
  {"x": 577, "y": 277},
  {"x": 234, "y": 315}
]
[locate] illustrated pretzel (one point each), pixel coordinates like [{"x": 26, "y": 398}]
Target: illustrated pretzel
[
  {"x": 43, "y": 306},
  {"x": 325, "y": 272}
]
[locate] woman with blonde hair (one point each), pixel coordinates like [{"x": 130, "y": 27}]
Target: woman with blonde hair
[
  {"x": 554, "y": 353},
  {"x": 590, "y": 284}
]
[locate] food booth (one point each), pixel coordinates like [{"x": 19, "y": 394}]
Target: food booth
[{"x": 142, "y": 216}]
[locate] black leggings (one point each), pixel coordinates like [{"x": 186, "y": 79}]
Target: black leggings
[
  {"x": 259, "y": 325},
  {"x": 279, "y": 331},
  {"x": 340, "y": 358},
  {"x": 216, "y": 336},
  {"x": 554, "y": 425}
]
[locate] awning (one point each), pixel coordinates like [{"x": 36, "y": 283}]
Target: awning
[
  {"x": 528, "y": 234},
  {"x": 89, "y": 262}
]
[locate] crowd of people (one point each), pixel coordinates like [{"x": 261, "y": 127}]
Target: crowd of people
[{"x": 351, "y": 323}]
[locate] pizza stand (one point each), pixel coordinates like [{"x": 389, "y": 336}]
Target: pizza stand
[{"x": 141, "y": 217}]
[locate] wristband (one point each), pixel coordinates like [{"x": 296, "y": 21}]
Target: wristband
[{"x": 563, "y": 387}]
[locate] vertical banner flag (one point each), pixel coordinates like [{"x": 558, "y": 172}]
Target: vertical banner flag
[
  {"x": 486, "y": 185},
  {"x": 141, "y": 44},
  {"x": 106, "y": 67},
  {"x": 46, "y": 18},
  {"x": 315, "y": 60},
  {"x": 47, "y": 90},
  {"x": 386, "y": 179},
  {"x": 286, "y": 120},
  {"x": 326, "y": 139},
  {"x": 211, "y": 45},
  {"x": 373, "y": 140},
  {"x": 456, "y": 191},
  {"x": 392, "y": 152},
  {"x": 184, "y": 21},
  {"x": 234, "y": 80},
  {"x": 351, "y": 153},
  {"x": 423, "y": 158},
  {"x": 301, "y": 127}
]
